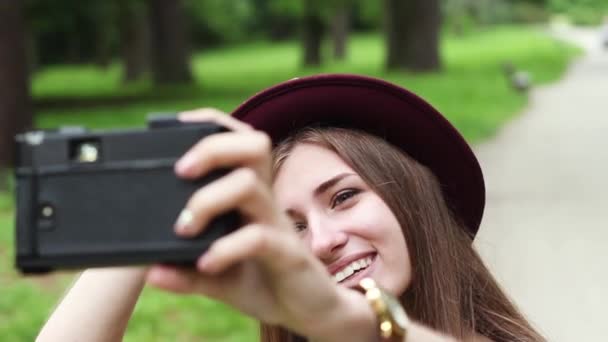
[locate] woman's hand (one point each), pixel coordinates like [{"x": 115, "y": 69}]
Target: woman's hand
[{"x": 262, "y": 269}]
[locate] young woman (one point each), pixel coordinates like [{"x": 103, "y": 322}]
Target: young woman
[{"x": 365, "y": 181}]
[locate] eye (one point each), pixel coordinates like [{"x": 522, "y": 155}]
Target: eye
[
  {"x": 299, "y": 226},
  {"x": 343, "y": 196}
]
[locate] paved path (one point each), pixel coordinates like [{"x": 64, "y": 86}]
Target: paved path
[{"x": 545, "y": 230}]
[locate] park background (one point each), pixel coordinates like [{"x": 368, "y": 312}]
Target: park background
[{"x": 107, "y": 64}]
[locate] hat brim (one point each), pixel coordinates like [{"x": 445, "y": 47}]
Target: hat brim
[{"x": 383, "y": 109}]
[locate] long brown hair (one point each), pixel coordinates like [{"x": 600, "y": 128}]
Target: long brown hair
[{"x": 451, "y": 291}]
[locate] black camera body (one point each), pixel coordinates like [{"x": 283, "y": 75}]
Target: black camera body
[{"x": 108, "y": 198}]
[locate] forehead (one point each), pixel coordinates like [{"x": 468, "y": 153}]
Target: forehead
[{"x": 305, "y": 168}]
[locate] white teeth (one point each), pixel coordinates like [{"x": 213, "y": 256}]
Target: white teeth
[
  {"x": 348, "y": 271},
  {"x": 352, "y": 268}
]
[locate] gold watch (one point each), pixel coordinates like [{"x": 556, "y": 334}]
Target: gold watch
[{"x": 392, "y": 319}]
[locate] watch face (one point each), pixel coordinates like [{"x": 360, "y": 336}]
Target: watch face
[{"x": 396, "y": 311}]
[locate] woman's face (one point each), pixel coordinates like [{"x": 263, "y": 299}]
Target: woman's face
[{"x": 345, "y": 224}]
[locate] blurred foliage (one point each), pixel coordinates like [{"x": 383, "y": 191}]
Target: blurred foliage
[
  {"x": 74, "y": 31},
  {"x": 219, "y": 21},
  {"x": 462, "y": 16},
  {"x": 216, "y": 22},
  {"x": 70, "y": 30},
  {"x": 368, "y": 14},
  {"x": 528, "y": 12},
  {"x": 581, "y": 12}
]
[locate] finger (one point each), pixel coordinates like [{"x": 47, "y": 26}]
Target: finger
[
  {"x": 172, "y": 278},
  {"x": 230, "y": 149},
  {"x": 240, "y": 189},
  {"x": 185, "y": 281},
  {"x": 252, "y": 242},
  {"x": 231, "y": 287},
  {"x": 214, "y": 115}
]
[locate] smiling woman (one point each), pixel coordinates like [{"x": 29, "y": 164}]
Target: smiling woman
[
  {"x": 338, "y": 215},
  {"x": 360, "y": 200},
  {"x": 412, "y": 245}
]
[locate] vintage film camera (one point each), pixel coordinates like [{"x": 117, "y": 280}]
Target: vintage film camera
[{"x": 105, "y": 198}]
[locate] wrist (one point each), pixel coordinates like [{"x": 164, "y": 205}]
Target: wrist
[
  {"x": 126, "y": 276},
  {"x": 352, "y": 319}
]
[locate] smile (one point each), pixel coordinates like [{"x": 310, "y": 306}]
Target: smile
[{"x": 353, "y": 268}]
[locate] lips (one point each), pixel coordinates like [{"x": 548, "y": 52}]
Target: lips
[
  {"x": 353, "y": 281},
  {"x": 354, "y": 267},
  {"x": 350, "y": 266},
  {"x": 337, "y": 265}
]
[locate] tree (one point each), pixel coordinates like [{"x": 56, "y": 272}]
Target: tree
[
  {"x": 340, "y": 25},
  {"x": 134, "y": 38},
  {"x": 15, "y": 102},
  {"x": 412, "y": 34},
  {"x": 313, "y": 29},
  {"x": 276, "y": 19},
  {"x": 170, "y": 46}
]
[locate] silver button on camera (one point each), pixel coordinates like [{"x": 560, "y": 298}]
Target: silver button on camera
[{"x": 34, "y": 138}]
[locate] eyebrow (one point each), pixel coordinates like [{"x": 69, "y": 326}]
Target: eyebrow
[{"x": 323, "y": 187}]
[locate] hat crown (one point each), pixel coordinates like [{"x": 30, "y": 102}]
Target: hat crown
[{"x": 383, "y": 109}]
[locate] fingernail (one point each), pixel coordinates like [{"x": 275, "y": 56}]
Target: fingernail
[
  {"x": 184, "y": 221},
  {"x": 184, "y": 163}
]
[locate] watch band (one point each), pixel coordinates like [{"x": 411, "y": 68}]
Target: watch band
[{"x": 392, "y": 319}]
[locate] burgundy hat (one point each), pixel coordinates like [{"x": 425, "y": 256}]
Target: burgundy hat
[{"x": 382, "y": 109}]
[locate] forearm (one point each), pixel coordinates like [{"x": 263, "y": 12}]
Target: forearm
[{"x": 97, "y": 307}]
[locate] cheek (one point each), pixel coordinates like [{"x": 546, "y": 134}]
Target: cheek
[
  {"x": 398, "y": 266},
  {"x": 378, "y": 224},
  {"x": 384, "y": 232},
  {"x": 368, "y": 221}
]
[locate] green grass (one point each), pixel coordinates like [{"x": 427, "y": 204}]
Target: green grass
[{"x": 471, "y": 91}]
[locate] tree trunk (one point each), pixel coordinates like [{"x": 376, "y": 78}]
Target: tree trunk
[
  {"x": 31, "y": 49},
  {"x": 412, "y": 33},
  {"x": 339, "y": 31},
  {"x": 312, "y": 34},
  {"x": 73, "y": 49},
  {"x": 170, "y": 48},
  {"x": 134, "y": 39},
  {"x": 15, "y": 102},
  {"x": 394, "y": 32},
  {"x": 103, "y": 50}
]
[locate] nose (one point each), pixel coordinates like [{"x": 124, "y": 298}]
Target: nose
[{"x": 326, "y": 239}]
